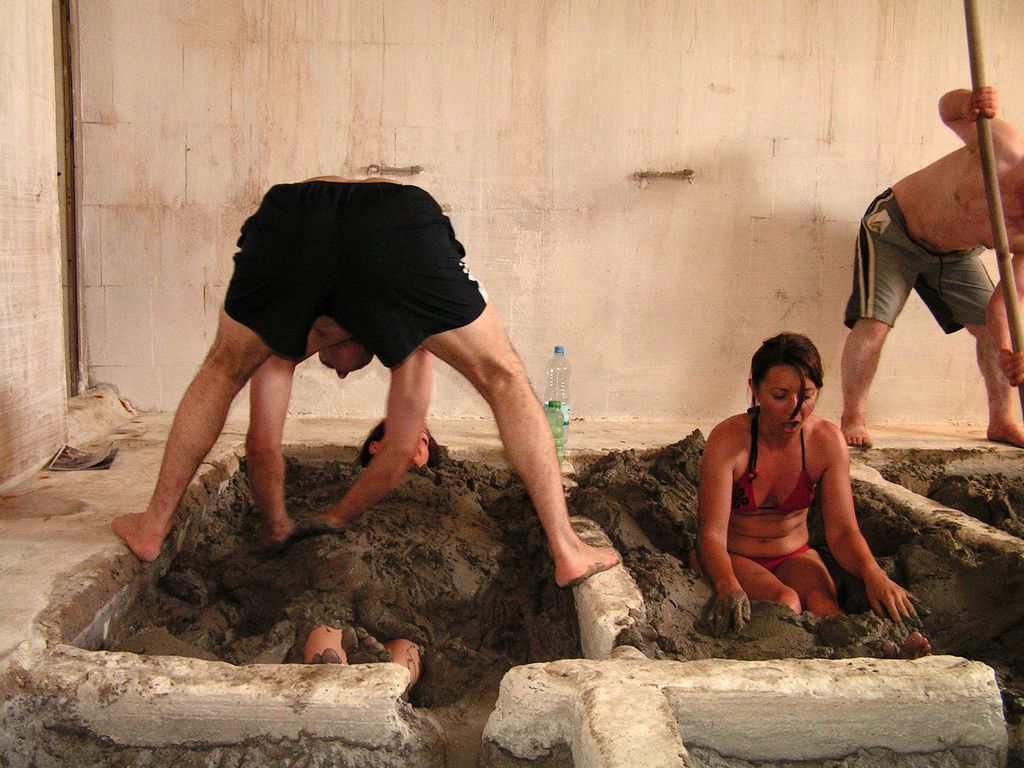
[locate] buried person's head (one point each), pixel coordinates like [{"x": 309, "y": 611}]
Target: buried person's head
[{"x": 427, "y": 453}]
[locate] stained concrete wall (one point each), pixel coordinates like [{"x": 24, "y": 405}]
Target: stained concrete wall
[
  {"x": 32, "y": 380},
  {"x": 529, "y": 117}
]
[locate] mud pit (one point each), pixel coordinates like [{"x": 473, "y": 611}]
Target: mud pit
[
  {"x": 971, "y": 601},
  {"x": 455, "y": 560}
]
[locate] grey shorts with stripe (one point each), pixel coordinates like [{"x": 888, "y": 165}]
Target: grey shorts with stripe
[{"x": 888, "y": 264}]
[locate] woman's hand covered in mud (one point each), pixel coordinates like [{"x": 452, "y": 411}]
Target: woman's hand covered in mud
[
  {"x": 888, "y": 599},
  {"x": 730, "y": 611}
]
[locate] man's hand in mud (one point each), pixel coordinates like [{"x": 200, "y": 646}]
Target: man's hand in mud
[
  {"x": 729, "y": 612},
  {"x": 1012, "y": 364},
  {"x": 888, "y": 599}
]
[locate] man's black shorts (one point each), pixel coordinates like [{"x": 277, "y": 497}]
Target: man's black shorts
[{"x": 379, "y": 258}]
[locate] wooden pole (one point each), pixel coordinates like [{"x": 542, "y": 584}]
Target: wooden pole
[{"x": 995, "y": 203}]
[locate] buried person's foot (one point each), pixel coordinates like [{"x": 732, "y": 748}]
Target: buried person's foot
[
  {"x": 407, "y": 654},
  {"x": 584, "y": 562},
  {"x": 914, "y": 647},
  {"x": 329, "y": 522},
  {"x": 856, "y": 432},
  {"x": 362, "y": 647},
  {"x": 323, "y": 646},
  {"x": 1009, "y": 432},
  {"x": 139, "y": 533}
]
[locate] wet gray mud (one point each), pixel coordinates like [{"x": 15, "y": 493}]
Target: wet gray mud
[
  {"x": 971, "y": 601},
  {"x": 454, "y": 559},
  {"x": 987, "y": 485}
]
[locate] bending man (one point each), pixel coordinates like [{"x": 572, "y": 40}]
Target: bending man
[
  {"x": 381, "y": 260},
  {"x": 925, "y": 234}
]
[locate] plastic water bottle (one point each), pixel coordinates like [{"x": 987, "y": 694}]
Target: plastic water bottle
[
  {"x": 556, "y": 386},
  {"x": 553, "y": 410}
]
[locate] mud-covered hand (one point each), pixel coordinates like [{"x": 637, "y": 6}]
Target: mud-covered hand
[
  {"x": 730, "y": 611},
  {"x": 1012, "y": 364},
  {"x": 888, "y": 599}
]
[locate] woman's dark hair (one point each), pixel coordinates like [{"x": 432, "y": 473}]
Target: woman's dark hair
[
  {"x": 434, "y": 451},
  {"x": 792, "y": 349}
]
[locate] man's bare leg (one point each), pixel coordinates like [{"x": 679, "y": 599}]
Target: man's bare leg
[
  {"x": 269, "y": 393},
  {"x": 235, "y": 354},
  {"x": 1003, "y": 425},
  {"x": 861, "y": 353},
  {"x": 482, "y": 353}
]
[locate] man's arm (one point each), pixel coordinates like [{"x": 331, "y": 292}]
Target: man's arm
[
  {"x": 269, "y": 392},
  {"x": 960, "y": 109},
  {"x": 408, "y": 398}
]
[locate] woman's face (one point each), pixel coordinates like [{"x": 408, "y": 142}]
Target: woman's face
[{"x": 778, "y": 395}]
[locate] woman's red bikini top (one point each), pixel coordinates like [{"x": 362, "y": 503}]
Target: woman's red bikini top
[{"x": 743, "y": 491}]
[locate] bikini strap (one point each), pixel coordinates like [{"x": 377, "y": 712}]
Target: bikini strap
[
  {"x": 803, "y": 451},
  {"x": 752, "y": 464}
]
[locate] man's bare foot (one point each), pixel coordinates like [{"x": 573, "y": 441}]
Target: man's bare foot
[
  {"x": 274, "y": 532},
  {"x": 323, "y": 646},
  {"x": 571, "y": 571},
  {"x": 1011, "y": 433},
  {"x": 140, "y": 536},
  {"x": 856, "y": 433}
]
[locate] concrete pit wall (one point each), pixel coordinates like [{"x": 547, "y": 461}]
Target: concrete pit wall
[{"x": 630, "y": 711}]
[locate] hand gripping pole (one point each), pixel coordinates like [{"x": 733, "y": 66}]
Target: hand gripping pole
[{"x": 995, "y": 203}]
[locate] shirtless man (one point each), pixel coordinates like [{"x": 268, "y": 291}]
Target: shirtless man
[
  {"x": 381, "y": 260},
  {"x": 925, "y": 234}
]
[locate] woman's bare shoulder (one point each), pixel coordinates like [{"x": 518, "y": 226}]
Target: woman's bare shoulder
[
  {"x": 825, "y": 438},
  {"x": 730, "y": 434},
  {"x": 727, "y": 447}
]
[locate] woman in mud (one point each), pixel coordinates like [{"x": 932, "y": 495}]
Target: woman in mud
[{"x": 759, "y": 474}]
